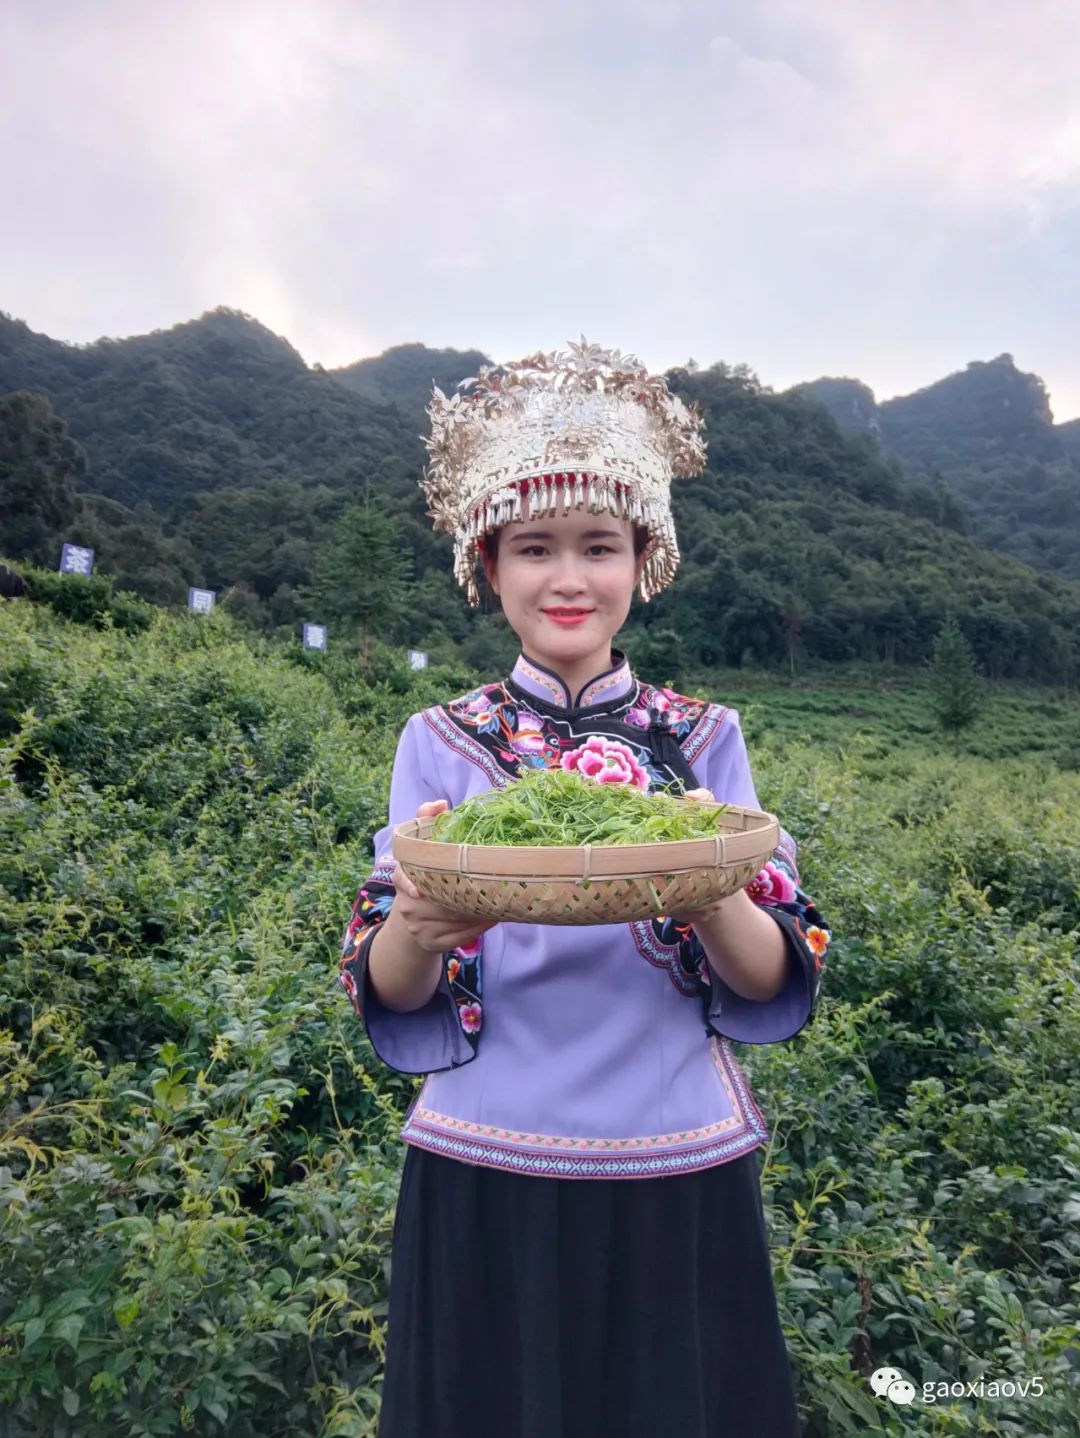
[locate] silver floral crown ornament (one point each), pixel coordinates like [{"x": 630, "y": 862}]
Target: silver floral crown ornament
[{"x": 573, "y": 427}]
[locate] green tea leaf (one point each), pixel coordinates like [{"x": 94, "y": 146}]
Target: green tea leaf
[{"x": 551, "y": 807}]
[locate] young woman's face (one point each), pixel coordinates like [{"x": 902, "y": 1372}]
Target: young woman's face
[{"x": 578, "y": 563}]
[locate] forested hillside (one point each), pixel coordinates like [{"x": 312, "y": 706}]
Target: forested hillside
[
  {"x": 210, "y": 454},
  {"x": 987, "y": 435},
  {"x": 403, "y": 377}
]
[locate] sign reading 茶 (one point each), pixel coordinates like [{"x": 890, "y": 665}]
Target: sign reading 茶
[{"x": 75, "y": 559}]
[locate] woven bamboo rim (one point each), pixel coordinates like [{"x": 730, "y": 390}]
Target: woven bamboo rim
[{"x": 588, "y": 883}]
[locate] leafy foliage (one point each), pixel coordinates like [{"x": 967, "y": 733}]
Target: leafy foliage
[
  {"x": 215, "y": 457},
  {"x": 954, "y": 680},
  {"x": 198, "y": 1150},
  {"x": 561, "y": 806},
  {"x": 362, "y": 576},
  {"x": 984, "y": 441},
  {"x": 39, "y": 465}
]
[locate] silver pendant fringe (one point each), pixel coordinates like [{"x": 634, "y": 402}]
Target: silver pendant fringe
[{"x": 598, "y": 493}]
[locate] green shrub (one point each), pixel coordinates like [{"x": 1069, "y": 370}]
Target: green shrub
[
  {"x": 199, "y": 1152},
  {"x": 88, "y": 599}
]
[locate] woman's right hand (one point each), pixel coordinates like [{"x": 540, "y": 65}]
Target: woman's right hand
[{"x": 433, "y": 927}]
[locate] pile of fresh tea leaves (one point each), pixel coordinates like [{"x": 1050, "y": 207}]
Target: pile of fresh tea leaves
[{"x": 561, "y": 807}]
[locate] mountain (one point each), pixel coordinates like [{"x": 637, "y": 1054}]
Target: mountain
[
  {"x": 1069, "y": 434},
  {"x": 850, "y": 402},
  {"x": 403, "y": 376},
  {"x": 210, "y": 454},
  {"x": 987, "y": 434},
  {"x": 211, "y": 404}
]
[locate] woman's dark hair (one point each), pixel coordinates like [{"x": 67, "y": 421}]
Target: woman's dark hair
[{"x": 489, "y": 545}]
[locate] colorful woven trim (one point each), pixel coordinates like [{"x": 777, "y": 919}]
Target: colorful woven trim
[
  {"x": 704, "y": 731},
  {"x": 568, "y": 1157},
  {"x": 461, "y": 743}
]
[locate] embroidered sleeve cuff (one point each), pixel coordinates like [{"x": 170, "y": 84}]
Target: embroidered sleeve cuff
[
  {"x": 769, "y": 1021},
  {"x": 421, "y": 1041}
]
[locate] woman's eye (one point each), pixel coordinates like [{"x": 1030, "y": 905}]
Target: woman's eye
[{"x": 539, "y": 549}]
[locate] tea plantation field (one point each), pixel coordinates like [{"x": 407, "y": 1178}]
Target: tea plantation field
[{"x": 198, "y": 1152}]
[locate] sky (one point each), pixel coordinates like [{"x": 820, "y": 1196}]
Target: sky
[{"x": 884, "y": 189}]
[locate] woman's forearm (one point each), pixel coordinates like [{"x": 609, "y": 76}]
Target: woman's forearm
[
  {"x": 403, "y": 975},
  {"x": 745, "y": 947}
]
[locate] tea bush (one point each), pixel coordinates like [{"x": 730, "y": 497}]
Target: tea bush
[{"x": 198, "y": 1150}]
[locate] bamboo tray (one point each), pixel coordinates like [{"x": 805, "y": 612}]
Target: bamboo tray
[{"x": 588, "y": 884}]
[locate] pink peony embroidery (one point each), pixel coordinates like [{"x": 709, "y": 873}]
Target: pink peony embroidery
[
  {"x": 470, "y": 1016},
  {"x": 607, "y": 761},
  {"x": 771, "y": 885}
]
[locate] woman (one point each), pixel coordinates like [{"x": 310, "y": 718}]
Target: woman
[{"x": 579, "y": 1248}]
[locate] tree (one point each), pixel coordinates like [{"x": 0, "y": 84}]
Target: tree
[
  {"x": 956, "y": 684},
  {"x": 363, "y": 575},
  {"x": 658, "y": 654},
  {"x": 38, "y": 461},
  {"x": 794, "y": 615}
]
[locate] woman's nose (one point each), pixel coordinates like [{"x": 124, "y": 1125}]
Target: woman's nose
[{"x": 568, "y": 579}]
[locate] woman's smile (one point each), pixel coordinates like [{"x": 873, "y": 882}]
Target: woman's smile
[{"x": 567, "y": 616}]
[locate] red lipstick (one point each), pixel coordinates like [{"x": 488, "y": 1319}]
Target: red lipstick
[{"x": 567, "y": 616}]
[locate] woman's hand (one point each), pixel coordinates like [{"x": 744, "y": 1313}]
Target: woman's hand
[
  {"x": 705, "y": 796},
  {"x": 433, "y": 927}
]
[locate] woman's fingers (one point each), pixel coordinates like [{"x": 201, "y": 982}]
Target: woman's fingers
[
  {"x": 450, "y": 920},
  {"x": 403, "y": 884},
  {"x": 705, "y": 795}
]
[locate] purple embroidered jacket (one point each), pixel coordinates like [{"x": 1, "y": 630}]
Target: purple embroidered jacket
[{"x": 581, "y": 1051}]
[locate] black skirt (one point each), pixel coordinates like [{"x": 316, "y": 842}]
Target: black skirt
[{"x": 534, "y": 1307}]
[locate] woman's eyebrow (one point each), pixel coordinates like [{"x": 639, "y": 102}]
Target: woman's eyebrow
[{"x": 587, "y": 534}]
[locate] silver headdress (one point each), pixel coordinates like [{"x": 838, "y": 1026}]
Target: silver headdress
[{"x": 569, "y": 427}]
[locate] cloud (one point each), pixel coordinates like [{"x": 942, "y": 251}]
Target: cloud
[
  {"x": 976, "y": 98},
  {"x": 853, "y": 186}
]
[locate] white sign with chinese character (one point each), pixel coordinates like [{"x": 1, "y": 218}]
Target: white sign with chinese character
[
  {"x": 74, "y": 559},
  {"x": 200, "y": 601},
  {"x": 417, "y": 659},
  {"x": 314, "y": 636}
]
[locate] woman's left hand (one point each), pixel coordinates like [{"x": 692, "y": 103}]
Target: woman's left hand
[{"x": 704, "y": 796}]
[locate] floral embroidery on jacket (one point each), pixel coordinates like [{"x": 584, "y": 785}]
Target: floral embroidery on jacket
[
  {"x": 608, "y": 762},
  {"x": 463, "y": 965},
  {"x": 775, "y": 888},
  {"x": 518, "y": 736},
  {"x": 675, "y": 712}
]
